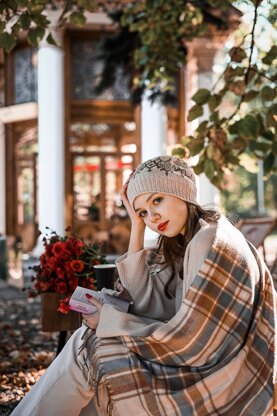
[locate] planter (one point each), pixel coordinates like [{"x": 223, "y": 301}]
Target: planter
[{"x": 54, "y": 321}]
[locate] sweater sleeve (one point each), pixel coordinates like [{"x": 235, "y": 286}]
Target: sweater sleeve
[
  {"x": 146, "y": 286},
  {"x": 116, "y": 323}
]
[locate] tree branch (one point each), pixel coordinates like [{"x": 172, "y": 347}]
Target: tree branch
[{"x": 252, "y": 41}]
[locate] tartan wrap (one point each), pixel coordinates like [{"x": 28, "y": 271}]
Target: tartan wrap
[{"x": 214, "y": 357}]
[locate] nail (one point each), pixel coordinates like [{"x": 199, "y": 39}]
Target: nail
[{"x": 88, "y": 296}]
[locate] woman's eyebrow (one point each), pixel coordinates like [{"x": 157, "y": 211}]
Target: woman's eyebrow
[{"x": 147, "y": 200}]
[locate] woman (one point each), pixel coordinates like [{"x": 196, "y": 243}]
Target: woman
[{"x": 199, "y": 339}]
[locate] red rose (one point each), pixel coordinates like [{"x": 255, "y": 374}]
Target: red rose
[
  {"x": 65, "y": 263},
  {"x": 47, "y": 272},
  {"x": 48, "y": 248},
  {"x": 42, "y": 286},
  {"x": 64, "y": 306},
  {"x": 69, "y": 244},
  {"x": 79, "y": 243},
  {"x": 60, "y": 273},
  {"x": 91, "y": 283},
  {"x": 75, "y": 246},
  {"x": 79, "y": 247},
  {"x": 52, "y": 263},
  {"x": 44, "y": 259},
  {"x": 73, "y": 283},
  {"x": 68, "y": 266},
  {"x": 59, "y": 249},
  {"x": 61, "y": 287},
  {"x": 77, "y": 266}
]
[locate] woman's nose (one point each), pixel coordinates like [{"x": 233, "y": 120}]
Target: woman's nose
[{"x": 154, "y": 217}]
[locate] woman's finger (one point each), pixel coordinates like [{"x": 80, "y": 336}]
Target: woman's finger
[{"x": 93, "y": 301}]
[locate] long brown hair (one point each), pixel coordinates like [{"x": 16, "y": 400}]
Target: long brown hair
[{"x": 173, "y": 248}]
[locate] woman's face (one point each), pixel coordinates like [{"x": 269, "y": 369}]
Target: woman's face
[{"x": 164, "y": 214}]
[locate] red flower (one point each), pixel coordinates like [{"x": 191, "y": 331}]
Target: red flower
[
  {"x": 59, "y": 249},
  {"x": 42, "y": 286},
  {"x": 70, "y": 244},
  {"x": 52, "y": 263},
  {"x": 68, "y": 266},
  {"x": 44, "y": 259},
  {"x": 48, "y": 249},
  {"x": 60, "y": 273},
  {"x": 75, "y": 246},
  {"x": 73, "y": 283},
  {"x": 61, "y": 287},
  {"x": 47, "y": 272},
  {"x": 77, "y": 266},
  {"x": 90, "y": 283},
  {"x": 64, "y": 305},
  {"x": 65, "y": 263},
  {"x": 79, "y": 247}
]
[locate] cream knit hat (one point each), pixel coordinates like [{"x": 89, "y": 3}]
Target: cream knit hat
[{"x": 165, "y": 174}]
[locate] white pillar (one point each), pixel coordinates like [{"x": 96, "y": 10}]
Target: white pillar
[
  {"x": 209, "y": 195},
  {"x": 199, "y": 74},
  {"x": 153, "y": 143},
  {"x": 2, "y": 181},
  {"x": 153, "y": 130},
  {"x": 260, "y": 188},
  {"x": 51, "y": 169}
]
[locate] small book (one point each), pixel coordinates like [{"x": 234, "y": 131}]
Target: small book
[{"x": 78, "y": 301}]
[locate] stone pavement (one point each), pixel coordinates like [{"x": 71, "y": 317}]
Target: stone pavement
[{"x": 25, "y": 351}]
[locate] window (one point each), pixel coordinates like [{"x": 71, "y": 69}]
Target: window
[
  {"x": 86, "y": 70},
  {"x": 25, "y": 75}
]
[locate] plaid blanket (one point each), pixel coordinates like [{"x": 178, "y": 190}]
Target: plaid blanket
[{"x": 214, "y": 357}]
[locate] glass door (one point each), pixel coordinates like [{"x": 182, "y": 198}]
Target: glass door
[
  {"x": 97, "y": 181},
  {"x": 26, "y": 173}
]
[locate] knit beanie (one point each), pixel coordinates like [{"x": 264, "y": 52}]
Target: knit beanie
[{"x": 163, "y": 174}]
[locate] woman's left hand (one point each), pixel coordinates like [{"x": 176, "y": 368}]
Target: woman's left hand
[{"x": 92, "y": 320}]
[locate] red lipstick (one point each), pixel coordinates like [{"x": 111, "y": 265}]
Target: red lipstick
[{"x": 163, "y": 225}]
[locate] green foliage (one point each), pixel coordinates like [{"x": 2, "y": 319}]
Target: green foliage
[
  {"x": 202, "y": 96},
  {"x": 239, "y": 195},
  {"x": 77, "y": 18},
  {"x": 151, "y": 43},
  {"x": 195, "y": 112},
  {"x": 7, "y": 41},
  {"x": 160, "y": 29},
  {"x": 35, "y": 35},
  {"x": 251, "y": 126},
  {"x": 31, "y": 16},
  {"x": 161, "y": 26}
]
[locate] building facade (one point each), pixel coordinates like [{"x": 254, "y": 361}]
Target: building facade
[{"x": 66, "y": 151}]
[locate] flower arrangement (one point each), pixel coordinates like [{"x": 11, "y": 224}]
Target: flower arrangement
[{"x": 67, "y": 262}]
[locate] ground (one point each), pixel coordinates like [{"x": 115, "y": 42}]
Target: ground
[{"x": 25, "y": 351}]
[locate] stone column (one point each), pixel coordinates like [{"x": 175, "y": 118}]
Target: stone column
[
  {"x": 153, "y": 143},
  {"x": 209, "y": 195},
  {"x": 51, "y": 165},
  {"x": 201, "y": 60},
  {"x": 153, "y": 130},
  {"x": 2, "y": 181}
]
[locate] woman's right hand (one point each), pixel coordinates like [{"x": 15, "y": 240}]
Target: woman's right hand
[
  {"x": 138, "y": 226},
  {"x": 135, "y": 219}
]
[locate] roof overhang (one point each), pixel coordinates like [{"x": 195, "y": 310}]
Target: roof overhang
[{"x": 18, "y": 112}]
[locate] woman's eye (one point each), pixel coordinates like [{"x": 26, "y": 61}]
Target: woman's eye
[
  {"x": 157, "y": 200},
  {"x": 142, "y": 214}
]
